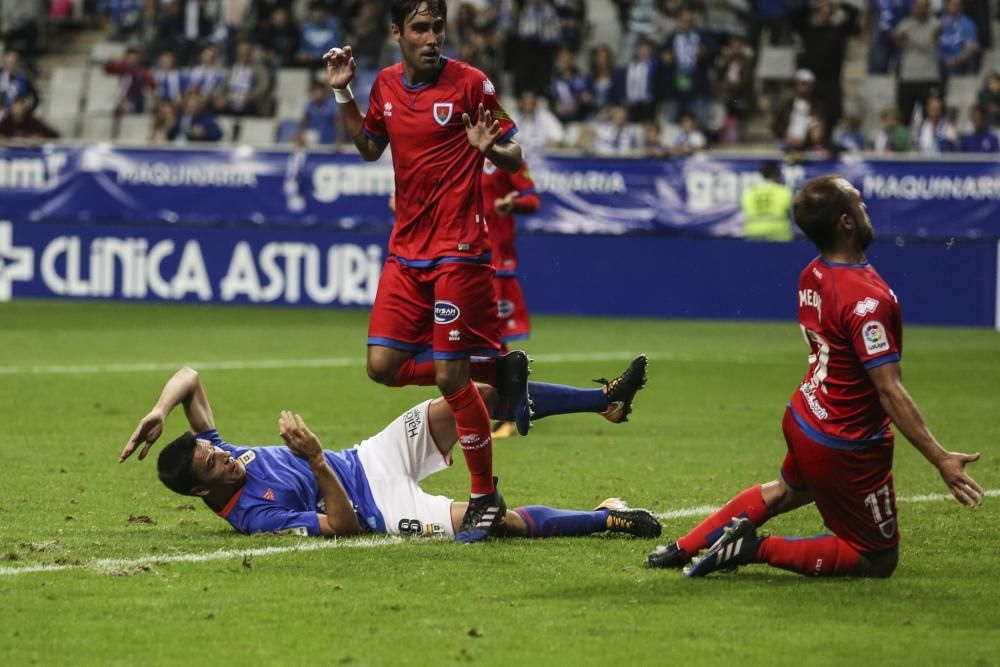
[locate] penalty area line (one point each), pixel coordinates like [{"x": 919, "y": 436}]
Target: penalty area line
[{"x": 114, "y": 565}]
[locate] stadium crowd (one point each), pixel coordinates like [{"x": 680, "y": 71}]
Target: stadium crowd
[{"x": 685, "y": 74}]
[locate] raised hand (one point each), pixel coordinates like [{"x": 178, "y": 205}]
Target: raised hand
[
  {"x": 504, "y": 205},
  {"x": 965, "y": 489},
  {"x": 485, "y": 132},
  {"x": 146, "y": 433},
  {"x": 299, "y": 438},
  {"x": 340, "y": 67}
]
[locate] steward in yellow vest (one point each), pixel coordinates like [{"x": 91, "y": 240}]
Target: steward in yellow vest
[{"x": 766, "y": 207}]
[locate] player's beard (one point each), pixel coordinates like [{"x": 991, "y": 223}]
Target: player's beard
[{"x": 866, "y": 233}]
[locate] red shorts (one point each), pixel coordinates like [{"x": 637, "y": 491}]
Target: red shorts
[
  {"x": 852, "y": 488},
  {"x": 449, "y": 308},
  {"x": 514, "y": 321}
]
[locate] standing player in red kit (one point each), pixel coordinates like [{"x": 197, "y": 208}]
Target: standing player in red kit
[
  {"x": 836, "y": 425},
  {"x": 443, "y": 119},
  {"x": 505, "y": 194}
]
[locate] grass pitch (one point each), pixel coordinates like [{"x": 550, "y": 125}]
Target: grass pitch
[{"x": 75, "y": 378}]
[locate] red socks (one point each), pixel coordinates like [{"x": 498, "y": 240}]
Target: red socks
[
  {"x": 472, "y": 422},
  {"x": 749, "y": 502},
  {"x": 823, "y": 556},
  {"x": 413, "y": 373},
  {"x": 422, "y": 373}
]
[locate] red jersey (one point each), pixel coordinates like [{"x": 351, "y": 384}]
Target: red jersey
[
  {"x": 852, "y": 323},
  {"x": 439, "y": 210},
  {"x": 497, "y": 184}
]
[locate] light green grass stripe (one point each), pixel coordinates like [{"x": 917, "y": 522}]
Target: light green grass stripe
[
  {"x": 263, "y": 364},
  {"x": 111, "y": 565}
]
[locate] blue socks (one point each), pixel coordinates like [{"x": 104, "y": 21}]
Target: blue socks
[
  {"x": 559, "y": 399},
  {"x": 548, "y": 522}
]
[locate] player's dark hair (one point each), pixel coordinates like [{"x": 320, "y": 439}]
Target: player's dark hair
[
  {"x": 770, "y": 169},
  {"x": 400, "y": 10},
  {"x": 817, "y": 208},
  {"x": 174, "y": 465}
]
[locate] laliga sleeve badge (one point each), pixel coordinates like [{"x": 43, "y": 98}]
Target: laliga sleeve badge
[
  {"x": 875, "y": 338},
  {"x": 247, "y": 457}
]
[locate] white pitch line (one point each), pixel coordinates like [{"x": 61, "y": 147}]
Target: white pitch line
[{"x": 105, "y": 564}]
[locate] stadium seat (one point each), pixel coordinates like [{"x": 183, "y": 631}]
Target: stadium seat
[
  {"x": 64, "y": 125},
  {"x": 97, "y": 128},
  {"x": 102, "y": 52},
  {"x": 776, "y": 63},
  {"x": 102, "y": 92},
  {"x": 227, "y": 124},
  {"x": 257, "y": 131},
  {"x": 287, "y": 129},
  {"x": 290, "y": 108},
  {"x": 135, "y": 128},
  {"x": 876, "y": 93},
  {"x": 991, "y": 61},
  {"x": 292, "y": 85},
  {"x": 65, "y": 92},
  {"x": 962, "y": 92}
]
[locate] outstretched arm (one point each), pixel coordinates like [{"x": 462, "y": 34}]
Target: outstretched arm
[
  {"x": 340, "y": 67},
  {"x": 906, "y": 416},
  {"x": 183, "y": 388},
  {"x": 340, "y": 517}
]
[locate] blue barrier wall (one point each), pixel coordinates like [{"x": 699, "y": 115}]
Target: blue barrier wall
[
  {"x": 652, "y": 276},
  {"x": 665, "y": 277}
]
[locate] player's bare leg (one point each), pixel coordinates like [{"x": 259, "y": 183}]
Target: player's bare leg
[
  {"x": 385, "y": 364},
  {"x": 402, "y": 368}
]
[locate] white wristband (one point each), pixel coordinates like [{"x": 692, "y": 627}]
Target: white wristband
[{"x": 343, "y": 95}]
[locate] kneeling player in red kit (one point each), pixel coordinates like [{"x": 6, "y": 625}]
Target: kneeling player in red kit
[{"x": 836, "y": 425}]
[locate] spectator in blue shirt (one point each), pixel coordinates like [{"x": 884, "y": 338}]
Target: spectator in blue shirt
[
  {"x": 169, "y": 82},
  {"x": 604, "y": 82},
  {"x": 15, "y": 84},
  {"x": 982, "y": 139},
  {"x": 570, "y": 92},
  {"x": 196, "y": 122},
  {"x": 687, "y": 54},
  {"x": 320, "y": 33},
  {"x": 319, "y": 119},
  {"x": 958, "y": 43},
  {"x": 122, "y": 18},
  {"x": 207, "y": 76},
  {"x": 883, "y": 17},
  {"x": 640, "y": 91}
]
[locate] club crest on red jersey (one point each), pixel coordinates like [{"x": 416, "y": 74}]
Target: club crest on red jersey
[
  {"x": 443, "y": 111},
  {"x": 489, "y": 168}
]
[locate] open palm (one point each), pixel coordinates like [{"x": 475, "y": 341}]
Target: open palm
[{"x": 485, "y": 132}]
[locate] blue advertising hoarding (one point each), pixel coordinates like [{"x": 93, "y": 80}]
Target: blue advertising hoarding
[{"x": 696, "y": 196}]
